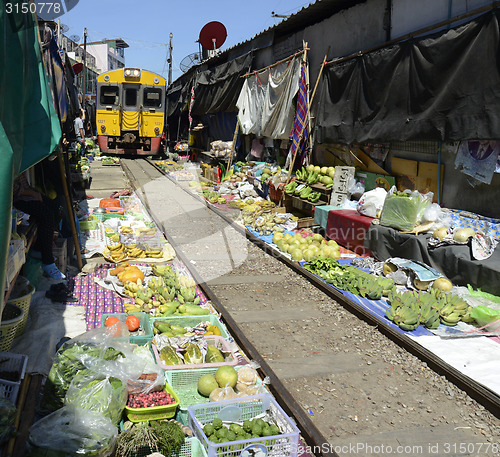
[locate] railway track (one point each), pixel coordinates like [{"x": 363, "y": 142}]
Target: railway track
[{"x": 349, "y": 381}]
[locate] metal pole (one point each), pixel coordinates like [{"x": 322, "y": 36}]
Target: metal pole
[
  {"x": 170, "y": 48},
  {"x": 84, "y": 65}
]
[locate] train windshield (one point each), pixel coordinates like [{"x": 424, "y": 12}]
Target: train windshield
[
  {"x": 109, "y": 95},
  {"x": 152, "y": 97},
  {"x": 131, "y": 96}
]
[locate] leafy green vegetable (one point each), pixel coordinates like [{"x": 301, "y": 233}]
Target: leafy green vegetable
[
  {"x": 7, "y": 417},
  {"x": 98, "y": 393},
  {"x": 69, "y": 360}
]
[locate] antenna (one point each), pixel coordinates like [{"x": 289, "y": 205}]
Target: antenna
[
  {"x": 190, "y": 60},
  {"x": 74, "y": 38},
  {"x": 286, "y": 16}
]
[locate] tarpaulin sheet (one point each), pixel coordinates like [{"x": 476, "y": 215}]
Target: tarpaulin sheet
[
  {"x": 178, "y": 96},
  {"x": 445, "y": 86},
  {"x": 218, "y": 89},
  {"x": 265, "y": 103},
  {"x": 29, "y": 127},
  {"x": 454, "y": 261}
]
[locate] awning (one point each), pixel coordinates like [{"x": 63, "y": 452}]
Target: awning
[{"x": 442, "y": 87}]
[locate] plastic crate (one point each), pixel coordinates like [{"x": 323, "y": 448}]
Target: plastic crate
[
  {"x": 145, "y": 332},
  {"x": 192, "y": 447},
  {"x": 220, "y": 342},
  {"x": 11, "y": 363},
  {"x": 154, "y": 412},
  {"x": 283, "y": 445},
  {"x": 185, "y": 383},
  {"x": 192, "y": 321}
]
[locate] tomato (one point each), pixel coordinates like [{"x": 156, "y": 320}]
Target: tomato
[
  {"x": 133, "y": 323},
  {"x": 110, "y": 321}
]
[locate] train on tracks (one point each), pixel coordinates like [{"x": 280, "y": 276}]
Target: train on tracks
[{"x": 130, "y": 112}]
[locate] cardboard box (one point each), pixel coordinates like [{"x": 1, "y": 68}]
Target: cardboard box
[{"x": 373, "y": 180}]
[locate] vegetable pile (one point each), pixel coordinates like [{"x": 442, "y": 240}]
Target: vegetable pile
[
  {"x": 218, "y": 432},
  {"x": 160, "y": 398},
  {"x": 349, "y": 278}
]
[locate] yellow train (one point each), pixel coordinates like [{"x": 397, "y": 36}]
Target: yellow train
[{"x": 130, "y": 111}]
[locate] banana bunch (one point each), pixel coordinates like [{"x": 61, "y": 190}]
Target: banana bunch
[
  {"x": 125, "y": 229},
  {"x": 171, "y": 280},
  {"x": 313, "y": 197},
  {"x": 305, "y": 192},
  {"x": 145, "y": 231},
  {"x": 135, "y": 252},
  {"x": 154, "y": 253},
  {"x": 131, "y": 288},
  {"x": 290, "y": 187},
  {"x": 266, "y": 204},
  {"x": 117, "y": 252},
  {"x": 156, "y": 283},
  {"x": 132, "y": 308},
  {"x": 187, "y": 295},
  {"x": 432, "y": 308},
  {"x": 310, "y": 177},
  {"x": 160, "y": 270},
  {"x": 186, "y": 281}
]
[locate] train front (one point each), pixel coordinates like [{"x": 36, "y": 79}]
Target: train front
[{"x": 130, "y": 111}]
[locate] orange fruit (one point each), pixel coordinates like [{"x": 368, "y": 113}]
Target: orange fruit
[{"x": 110, "y": 321}]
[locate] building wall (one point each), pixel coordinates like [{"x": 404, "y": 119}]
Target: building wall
[{"x": 100, "y": 52}]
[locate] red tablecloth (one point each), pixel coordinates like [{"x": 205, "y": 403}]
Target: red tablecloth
[{"x": 348, "y": 228}]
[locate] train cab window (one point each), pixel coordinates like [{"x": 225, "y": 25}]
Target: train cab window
[
  {"x": 152, "y": 97},
  {"x": 131, "y": 96},
  {"x": 109, "y": 95}
]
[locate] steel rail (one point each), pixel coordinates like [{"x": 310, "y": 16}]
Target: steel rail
[{"x": 482, "y": 394}]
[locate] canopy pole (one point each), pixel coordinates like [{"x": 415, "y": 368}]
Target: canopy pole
[
  {"x": 274, "y": 64},
  {"x": 233, "y": 145},
  {"x": 69, "y": 207},
  {"x": 290, "y": 168}
]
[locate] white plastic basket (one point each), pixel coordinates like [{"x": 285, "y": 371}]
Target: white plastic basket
[
  {"x": 16, "y": 364},
  {"x": 283, "y": 445}
]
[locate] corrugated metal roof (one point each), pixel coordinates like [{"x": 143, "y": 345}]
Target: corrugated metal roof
[{"x": 309, "y": 15}]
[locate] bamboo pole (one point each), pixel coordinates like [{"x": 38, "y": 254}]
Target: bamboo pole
[
  {"x": 246, "y": 75},
  {"x": 290, "y": 168},
  {"x": 234, "y": 143},
  {"x": 17, "y": 420},
  {"x": 69, "y": 207}
]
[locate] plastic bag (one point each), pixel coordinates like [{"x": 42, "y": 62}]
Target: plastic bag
[
  {"x": 91, "y": 349},
  {"x": 71, "y": 431},
  {"x": 7, "y": 418},
  {"x": 371, "y": 203},
  {"x": 105, "y": 395},
  {"x": 355, "y": 188},
  {"x": 432, "y": 213},
  {"x": 486, "y": 317},
  {"x": 404, "y": 210}
]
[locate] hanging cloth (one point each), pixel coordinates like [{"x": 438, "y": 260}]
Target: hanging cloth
[
  {"x": 300, "y": 125},
  {"x": 265, "y": 103}
]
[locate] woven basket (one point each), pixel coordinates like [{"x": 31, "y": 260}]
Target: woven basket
[
  {"x": 11, "y": 317},
  {"x": 21, "y": 296}
]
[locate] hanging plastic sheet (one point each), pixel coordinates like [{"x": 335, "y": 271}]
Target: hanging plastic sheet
[
  {"x": 265, "y": 103},
  {"x": 218, "y": 89},
  {"x": 29, "y": 127},
  {"x": 441, "y": 87}
]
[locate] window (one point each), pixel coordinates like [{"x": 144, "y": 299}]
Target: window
[
  {"x": 109, "y": 95},
  {"x": 131, "y": 97},
  {"x": 152, "y": 97}
]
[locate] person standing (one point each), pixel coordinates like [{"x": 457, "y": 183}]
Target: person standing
[
  {"x": 80, "y": 132},
  {"x": 32, "y": 202}
]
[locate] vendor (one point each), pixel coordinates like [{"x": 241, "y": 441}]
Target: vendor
[{"x": 39, "y": 207}]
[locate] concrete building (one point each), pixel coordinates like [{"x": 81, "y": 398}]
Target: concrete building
[{"x": 109, "y": 54}]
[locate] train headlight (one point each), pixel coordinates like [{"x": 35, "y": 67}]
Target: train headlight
[
  {"x": 103, "y": 127},
  {"x": 128, "y": 72},
  {"x": 157, "y": 130},
  {"x": 137, "y": 72}
]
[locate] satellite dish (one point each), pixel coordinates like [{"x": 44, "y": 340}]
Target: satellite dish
[
  {"x": 64, "y": 28},
  {"x": 77, "y": 67},
  {"x": 189, "y": 61},
  {"x": 74, "y": 38},
  {"x": 213, "y": 35}
]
